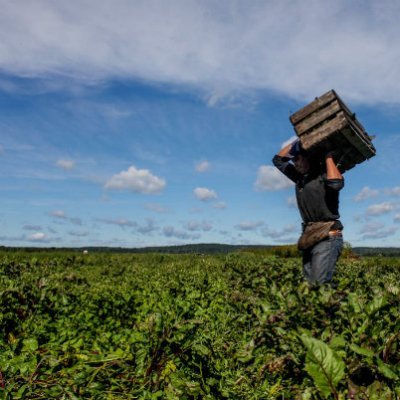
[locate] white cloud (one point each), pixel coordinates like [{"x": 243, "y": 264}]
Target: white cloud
[
  {"x": 205, "y": 194},
  {"x": 156, "y": 208},
  {"x": 122, "y": 222},
  {"x": 384, "y": 233},
  {"x": 37, "y": 237},
  {"x": 148, "y": 227},
  {"x": 78, "y": 234},
  {"x": 76, "y": 221},
  {"x": 170, "y": 231},
  {"x": 395, "y": 191},
  {"x": 223, "y": 46},
  {"x": 371, "y": 227},
  {"x": 397, "y": 218},
  {"x": 61, "y": 215},
  {"x": 270, "y": 178},
  {"x": 144, "y": 229},
  {"x": 249, "y": 225},
  {"x": 198, "y": 226},
  {"x": 379, "y": 209},
  {"x": 221, "y": 205},
  {"x": 377, "y": 230},
  {"x": 203, "y": 166},
  {"x": 58, "y": 214},
  {"x": 284, "y": 233},
  {"x": 366, "y": 193},
  {"x": 292, "y": 202},
  {"x": 65, "y": 164},
  {"x": 32, "y": 227},
  {"x": 136, "y": 180}
]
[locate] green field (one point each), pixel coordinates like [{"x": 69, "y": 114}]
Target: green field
[{"x": 162, "y": 326}]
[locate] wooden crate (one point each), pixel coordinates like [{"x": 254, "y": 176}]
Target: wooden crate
[{"x": 328, "y": 124}]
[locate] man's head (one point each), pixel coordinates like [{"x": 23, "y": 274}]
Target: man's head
[{"x": 301, "y": 163}]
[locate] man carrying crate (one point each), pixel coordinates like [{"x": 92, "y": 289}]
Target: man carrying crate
[{"x": 318, "y": 183}]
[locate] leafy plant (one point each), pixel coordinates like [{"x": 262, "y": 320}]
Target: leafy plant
[
  {"x": 236, "y": 326},
  {"x": 324, "y": 365}
]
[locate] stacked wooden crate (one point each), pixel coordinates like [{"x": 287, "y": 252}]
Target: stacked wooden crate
[{"x": 328, "y": 124}]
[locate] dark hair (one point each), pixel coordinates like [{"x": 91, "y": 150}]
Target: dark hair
[
  {"x": 316, "y": 163},
  {"x": 303, "y": 153}
]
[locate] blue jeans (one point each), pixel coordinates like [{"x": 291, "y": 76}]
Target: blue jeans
[{"x": 319, "y": 262}]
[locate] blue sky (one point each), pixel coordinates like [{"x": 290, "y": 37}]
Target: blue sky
[{"x": 141, "y": 123}]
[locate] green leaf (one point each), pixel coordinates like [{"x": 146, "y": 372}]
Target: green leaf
[
  {"x": 355, "y": 302},
  {"x": 337, "y": 342},
  {"x": 30, "y": 345},
  {"x": 375, "y": 304},
  {"x": 201, "y": 349},
  {"x": 386, "y": 371},
  {"x": 362, "y": 351},
  {"x": 323, "y": 364},
  {"x": 21, "y": 391},
  {"x": 245, "y": 354}
]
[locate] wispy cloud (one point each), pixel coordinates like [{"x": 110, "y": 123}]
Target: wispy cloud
[
  {"x": 270, "y": 179},
  {"x": 121, "y": 222},
  {"x": 198, "y": 226},
  {"x": 220, "y": 205},
  {"x": 158, "y": 208},
  {"x": 170, "y": 231},
  {"x": 203, "y": 166},
  {"x": 78, "y": 234},
  {"x": 287, "y": 232},
  {"x": 75, "y": 220},
  {"x": 366, "y": 193},
  {"x": 37, "y": 237},
  {"x": 136, "y": 180},
  {"x": 377, "y": 230},
  {"x": 146, "y": 228},
  {"x": 379, "y": 209},
  {"x": 205, "y": 194},
  {"x": 32, "y": 227},
  {"x": 249, "y": 225},
  {"x": 395, "y": 191},
  {"x": 292, "y": 202},
  {"x": 59, "y": 214},
  {"x": 66, "y": 165},
  {"x": 149, "y": 227},
  {"x": 131, "y": 39}
]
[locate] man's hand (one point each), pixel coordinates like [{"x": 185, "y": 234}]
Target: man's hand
[
  {"x": 331, "y": 154},
  {"x": 291, "y": 149}
]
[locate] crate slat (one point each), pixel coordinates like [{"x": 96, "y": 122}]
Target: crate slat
[
  {"x": 351, "y": 115},
  {"x": 315, "y": 105},
  {"x": 316, "y": 119},
  {"x": 310, "y": 141},
  {"x": 359, "y": 142}
]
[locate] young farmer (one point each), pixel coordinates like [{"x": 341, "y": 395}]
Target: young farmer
[{"x": 317, "y": 191}]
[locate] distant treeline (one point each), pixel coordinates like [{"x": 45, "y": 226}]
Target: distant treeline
[
  {"x": 203, "y": 248},
  {"x": 215, "y": 248},
  {"x": 377, "y": 251}
]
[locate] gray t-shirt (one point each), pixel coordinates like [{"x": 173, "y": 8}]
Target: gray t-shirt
[{"x": 317, "y": 196}]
